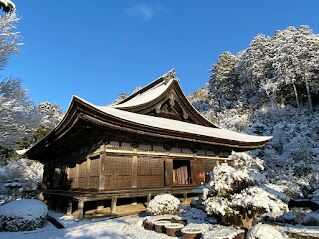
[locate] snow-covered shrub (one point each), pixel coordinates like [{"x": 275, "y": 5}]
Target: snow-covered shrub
[
  {"x": 255, "y": 199},
  {"x": 244, "y": 172},
  {"x": 218, "y": 206},
  {"x": 227, "y": 179},
  {"x": 237, "y": 195},
  {"x": 263, "y": 231},
  {"x": 163, "y": 204},
  {"x": 22, "y": 215}
]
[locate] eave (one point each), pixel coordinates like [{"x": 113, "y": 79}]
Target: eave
[{"x": 82, "y": 110}]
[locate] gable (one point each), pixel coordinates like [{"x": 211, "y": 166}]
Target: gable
[
  {"x": 163, "y": 98},
  {"x": 170, "y": 106}
]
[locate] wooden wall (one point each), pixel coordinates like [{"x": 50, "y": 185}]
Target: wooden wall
[{"x": 116, "y": 168}]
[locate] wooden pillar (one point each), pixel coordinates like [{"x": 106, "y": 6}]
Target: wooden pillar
[
  {"x": 81, "y": 209},
  {"x": 113, "y": 205},
  {"x": 88, "y": 167},
  {"x": 69, "y": 208},
  {"x": 185, "y": 197},
  {"x": 134, "y": 170},
  {"x": 77, "y": 173},
  {"x": 149, "y": 198},
  {"x": 101, "y": 171},
  {"x": 168, "y": 174}
]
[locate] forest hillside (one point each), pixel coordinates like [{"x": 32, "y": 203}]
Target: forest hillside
[{"x": 271, "y": 88}]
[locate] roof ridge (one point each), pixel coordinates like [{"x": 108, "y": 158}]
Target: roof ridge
[{"x": 171, "y": 74}]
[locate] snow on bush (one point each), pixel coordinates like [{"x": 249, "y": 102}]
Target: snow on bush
[
  {"x": 22, "y": 215},
  {"x": 237, "y": 193},
  {"x": 263, "y": 231},
  {"x": 163, "y": 204},
  {"x": 227, "y": 179},
  {"x": 244, "y": 172},
  {"x": 257, "y": 199},
  {"x": 218, "y": 206}
]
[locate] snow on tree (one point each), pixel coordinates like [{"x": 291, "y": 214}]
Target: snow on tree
[
  {"x": 163, "y": 204},
  {"x": 237, "y": 195},
  {"x": 18, "y": 115},
  {"x": 9, "y": 37},
  {"x": 223, "y": 80},
  {"x": 272, "y": 69},
  {"x": 277, "y": 79},
  {"x": 21, "y": 124}
]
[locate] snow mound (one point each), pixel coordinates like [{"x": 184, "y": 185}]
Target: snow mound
[
  {"x": 263, "y": 231},
  {"x": 27, "y": 209},
  {"x": 22, "y": 215},
  {"x": 163, "y": 204},
  {"x": 223, "y": 232}
]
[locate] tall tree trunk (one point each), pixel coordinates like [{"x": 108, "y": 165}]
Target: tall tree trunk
[
  {"x": 296, "y": 95},
  {"x": 309, "y": 95}
]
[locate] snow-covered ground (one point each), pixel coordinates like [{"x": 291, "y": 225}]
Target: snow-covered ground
[{"x": 118, "y": 228}]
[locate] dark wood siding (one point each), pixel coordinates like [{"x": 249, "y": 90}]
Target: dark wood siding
[
  {"x": 83, "y": 175},
  {"x": 72, "y": 177},
  {"x": 150, "y": 172},
  {"x": 117, "y": 171},
  {"x": 94, "y": 172}
]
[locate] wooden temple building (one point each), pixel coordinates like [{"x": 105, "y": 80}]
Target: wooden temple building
[{"x": 152, "y": 142}]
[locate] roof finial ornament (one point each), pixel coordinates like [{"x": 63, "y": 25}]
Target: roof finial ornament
[{"x": 171, "y": 74}]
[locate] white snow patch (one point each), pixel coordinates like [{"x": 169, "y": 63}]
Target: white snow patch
[
  {"x": 263, "y": 231},
  {"x": 26, "y": 208}
]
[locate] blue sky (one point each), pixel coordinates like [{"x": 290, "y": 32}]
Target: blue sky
[{"x": 98, "y": 49}]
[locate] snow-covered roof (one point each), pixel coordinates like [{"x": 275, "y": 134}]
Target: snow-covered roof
[
  {"x": 164, "y": 87},
  {"x": 146, "y": 96},
  {"x": 126, "y": 115},
  {"x": 180, "y": 126}
]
